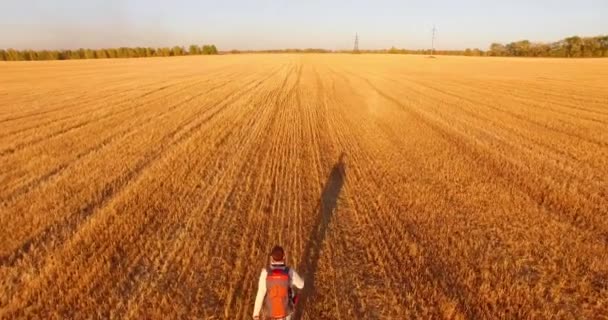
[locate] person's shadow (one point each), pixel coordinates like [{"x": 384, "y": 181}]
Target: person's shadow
[{"x": 327, "y": 207}]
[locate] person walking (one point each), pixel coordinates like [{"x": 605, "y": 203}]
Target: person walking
[{"x": 275, "y": 288}]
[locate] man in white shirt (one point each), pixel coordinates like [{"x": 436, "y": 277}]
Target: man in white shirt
[{"x": 275, "y": 288}]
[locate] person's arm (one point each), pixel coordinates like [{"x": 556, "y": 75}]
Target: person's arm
[
  {"x": 296, "y": 280},
  {"x": 259, "y": 298}
]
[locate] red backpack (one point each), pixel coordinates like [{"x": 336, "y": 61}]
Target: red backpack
[{"x": 277, "y": 292}]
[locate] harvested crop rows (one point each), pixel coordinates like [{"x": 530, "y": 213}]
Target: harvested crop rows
[{"x": 401, "y": 186}]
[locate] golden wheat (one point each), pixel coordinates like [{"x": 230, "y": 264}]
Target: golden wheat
[{"x": 401, "y": 186}]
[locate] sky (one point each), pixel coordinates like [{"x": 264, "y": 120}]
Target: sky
[{"x": 268, "y": 24}]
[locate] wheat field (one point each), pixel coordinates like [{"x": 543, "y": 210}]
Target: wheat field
[{"x": 401, "y": 186}]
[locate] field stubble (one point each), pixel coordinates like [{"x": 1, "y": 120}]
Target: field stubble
[{"x": 401, "y": 186}]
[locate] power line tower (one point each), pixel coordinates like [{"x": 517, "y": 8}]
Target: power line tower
[
  {"x": 356, "y": 48},
  {"x": 433, "y": 41}
]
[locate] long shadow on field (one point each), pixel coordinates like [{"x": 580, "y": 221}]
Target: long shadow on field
[{"x": 327, "y": 206}]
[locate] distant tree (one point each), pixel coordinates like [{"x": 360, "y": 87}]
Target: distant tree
[
  {"x": 138, "y": 52},
  {"x": 524, "y": 48},
  {"x": 557, "y": 49},
  {"x": 124, "y": 52},
  {"x": 177, "y": 51},
  {"x": 112, "y": 53},
  {"x": 497, "y": 49},
  {"x": 75, "y": 54},
  {"x": 209, "y": 49},
  {"x": 478, "y": 52},
  {"x": 194, "y": 49},
  {"x": 3, "y": 55},
  {"x": 539, "y": 50},
  {"x": 13, "y": 55},
  {"x": 603, "y": 43},
  {"x": 100, "y": 54},
  {"x": 64, "y": 55},
  {"x": 590, "y": 47},
  {"x": 519, "y": 48},
  {"x": 89, "y": 54},
  {"x": 44, "y": 55},
  {"x": 393, "y": 50},
  {"x": 81, "y": 53},
  {"x": 511, "y": 49},
  {"x": 573, "y": 46},
  {"x": 163, "y": 52},
  {"x": 29, "y": 55}
]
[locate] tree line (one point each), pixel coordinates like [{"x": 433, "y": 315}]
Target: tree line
[
  {"x": 123, "y": 52},
  {"x": 289, "y": 50},
  {"x": 571, "y": 47}
]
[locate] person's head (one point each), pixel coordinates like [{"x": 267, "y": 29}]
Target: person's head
[{"x": 277, "y": 255}]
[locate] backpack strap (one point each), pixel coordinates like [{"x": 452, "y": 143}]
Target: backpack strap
[{"x": 282, "y": 268}]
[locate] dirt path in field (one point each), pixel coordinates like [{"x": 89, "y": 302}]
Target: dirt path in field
[{"x": 401, "y": 187}]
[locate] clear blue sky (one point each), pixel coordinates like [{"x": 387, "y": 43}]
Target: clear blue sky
[{"x": 262, "y": 24}]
